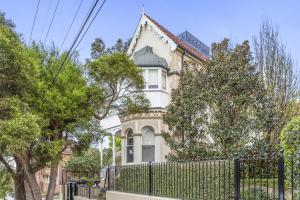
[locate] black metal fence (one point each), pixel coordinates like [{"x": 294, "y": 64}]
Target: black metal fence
[
  {"x": 84, "y": 184},
  {"x": 82, "y": 189},
  {"x": 240, "y": 179}
]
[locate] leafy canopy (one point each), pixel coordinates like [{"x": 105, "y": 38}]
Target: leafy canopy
[
  {"x": 115, "y": 85},
  {"x": 19, "y": 127},
  {"x": 85, "y": 162},
  {"x": 64, "y": 105},
  {"x": 5, "y": 182},
  {"x": 218, "y": 108},
  {"x": 290, "y": 137}
]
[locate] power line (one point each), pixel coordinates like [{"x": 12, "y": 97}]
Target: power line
[
  {"x": 45, "y": 19},
  {"x": 36, "y": 12},
  {"x": 87, "y": 29},
  {"x": 76, "y": 38},
  {"x": 51, "y": 21},
  {"x": 89, "y": 25},
  {"x": 76, "y": 13}
]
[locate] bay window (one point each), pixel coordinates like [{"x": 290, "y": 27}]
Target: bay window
[
  {"x": 155, "y": 79},
  {"x": 152, "y": 78},
  {"x": 145, "y": 78},
  {"x": 148, "y": 144},
  {"x": 163, "y": 80}
]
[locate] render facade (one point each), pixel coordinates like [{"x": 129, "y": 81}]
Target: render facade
[{"x": 161, "y": 55}]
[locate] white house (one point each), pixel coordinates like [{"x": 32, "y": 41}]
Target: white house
[{"x": 161, "y": 55}]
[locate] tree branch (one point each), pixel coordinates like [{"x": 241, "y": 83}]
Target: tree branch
[{"x": 7, "y": 166}]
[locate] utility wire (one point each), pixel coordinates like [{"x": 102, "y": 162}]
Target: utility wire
[
  {"x": 75, "y": 40},
  {"x": 36, "y": 12},
  {"x": 51, "y": 21},
  {"x": 88, "y": 26},
  {"x": 45, "y": 19},
  {"x": 87, "y": 30},
  {"x": 76, "y": 13}
]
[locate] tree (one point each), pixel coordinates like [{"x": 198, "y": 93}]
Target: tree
[
  {"x": 279, "y": 75},
  {"x": 116, "y": 84},
  {"x": 290, "y": 137},
  {"x": 97, "y": 48},
  {"x": 40, "y": 117},
  {"x": 290, "y": 144},
  {"x": 108, "y": 152},
  {"x": 186, "y": 136},
  {"x": 19, "y": 125},
  {"x": 5, "y": 182},
  {"x": 65, "y": 107},
  {"x": 86, "y": 162},
  {"x": 119, "y": 46},
  {"x": 218, "y": 108}
]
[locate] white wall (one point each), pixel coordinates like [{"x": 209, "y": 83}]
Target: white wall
[{"x": 157, "y": 98}]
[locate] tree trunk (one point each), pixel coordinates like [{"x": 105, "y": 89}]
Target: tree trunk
[
  {"x": 29, "y": 195},
  {"x": 52, "y": 183},
  {"x": 20, "y": 193},
  {"x": 31, "y": 185},
  {"x": 34, "y": 188},
  {"x": 54, "y": 164}
]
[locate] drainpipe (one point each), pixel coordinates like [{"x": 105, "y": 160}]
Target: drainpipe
[
  {"x": 182, "y": 65},
  {"x": 182, "y": 59}
]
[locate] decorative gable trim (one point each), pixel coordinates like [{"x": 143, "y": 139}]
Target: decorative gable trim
[{"x": 145, "y": 22}]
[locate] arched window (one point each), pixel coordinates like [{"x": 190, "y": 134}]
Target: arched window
[
  {"x": 148, "y": 144},
  {"x": 129, "y": 146}
]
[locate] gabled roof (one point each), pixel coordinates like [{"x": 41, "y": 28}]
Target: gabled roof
[{"x": 191, "y": 50}]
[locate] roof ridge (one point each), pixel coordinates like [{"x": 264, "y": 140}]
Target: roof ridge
[{"x": 180, "y": 42}]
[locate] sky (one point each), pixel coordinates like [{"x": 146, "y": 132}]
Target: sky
[{"x": 209, "y": 20}]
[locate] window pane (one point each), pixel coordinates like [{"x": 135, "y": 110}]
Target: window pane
[
  {"x": 145, "y": 78},
  {"x": 129, "y": 138},
  {"x": 130, "y": 141},
  {"x": 130, "y": 154},
  {"x": 148, "y": 153},
  {"x": 148, "y": 136},
  {"x": 153, "y": 78},
  {"x": 129, "y": 148},
  {"x": 163, "y": 80}
]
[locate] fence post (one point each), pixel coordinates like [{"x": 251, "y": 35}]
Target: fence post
[
  {"x": 108, "y": 179},
  {"x": 280, "y": 177},
  {"x": 150, "y": 178},
  {"x": 75, "y": 189},
  {"x": 70, "y": 191},
  {"x": 237, "y": 179}
]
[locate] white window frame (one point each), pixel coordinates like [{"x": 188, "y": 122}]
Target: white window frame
[
  {"x": 128, "y": 146},
  {"x": 160, "y": 72},
  {"x": 147, "y": 145},
  {"x": 156, "y": 85},
  {"x": 163, "y": 80}
]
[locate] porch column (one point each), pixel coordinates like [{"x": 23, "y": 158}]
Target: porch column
[
  {"x": 113, "y": 150},
  {"x": 101, "y": 151}
]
